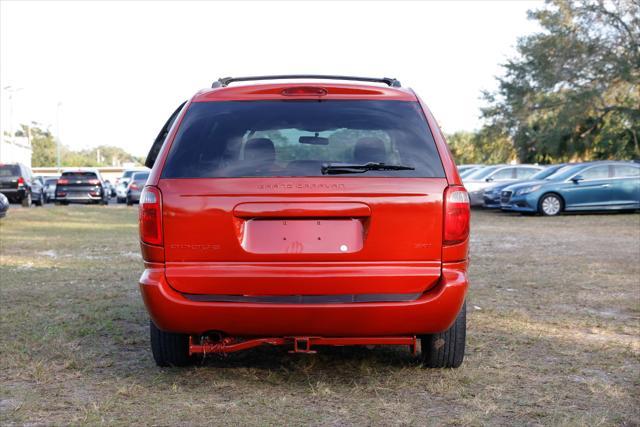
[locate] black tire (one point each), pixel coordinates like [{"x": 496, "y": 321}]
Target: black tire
[
  {"x": 26, "y": 200},
  {"x": 446, "y": 349},
  {"x": 120, "y": 200},
  {"x": 169, "y": 349},
  {"x": 129, "y": 202},
  {"x": 553, "y": 201}
]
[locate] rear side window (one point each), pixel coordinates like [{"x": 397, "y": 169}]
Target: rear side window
[
  {"x": 9, "y": 170},
  {"x": 295, "y": 138},
  {"x": 596, "y": 172},
  {"x": 140, "y": 177},
  {"x": 622, "y": 171}
]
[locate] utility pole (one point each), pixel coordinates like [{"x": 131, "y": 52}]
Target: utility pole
[
  {"x": 11, "y": 90},
  {"x": 58, "y": 135}
]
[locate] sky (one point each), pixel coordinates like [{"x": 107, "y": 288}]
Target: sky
[{"x": 110, "y": 73}]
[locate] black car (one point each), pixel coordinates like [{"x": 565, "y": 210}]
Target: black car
[
  {"x": 82, "y": 186},
  {"x": 4, "y": 205},
  {"x": 16, "y": 181}
]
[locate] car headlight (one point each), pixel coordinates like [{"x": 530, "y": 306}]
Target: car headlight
[{"x": 527, "y": 190}]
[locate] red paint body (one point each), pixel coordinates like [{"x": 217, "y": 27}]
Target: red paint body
[{"x": 283, "y": 236}]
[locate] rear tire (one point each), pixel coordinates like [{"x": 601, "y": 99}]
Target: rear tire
[
  {"x": 446, "y": 349},
  {"x": 169, "y": 349}
]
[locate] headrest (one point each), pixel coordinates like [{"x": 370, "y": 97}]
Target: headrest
[
  {"x": 369, "y": 149},
  {"x": 260, "y": 150}
]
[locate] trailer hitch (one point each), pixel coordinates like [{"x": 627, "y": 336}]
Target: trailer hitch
[{"x": 300, "y": 344}]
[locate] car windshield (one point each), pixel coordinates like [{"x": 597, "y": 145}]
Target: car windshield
[
  {"x": 296, "y": 138},
  {"x": 546, "y": 173},
  {"x": 482, "y": 173},
  {"x": 565, "y": 171}
]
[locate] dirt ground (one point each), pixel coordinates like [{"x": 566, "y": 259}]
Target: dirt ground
[{"x": 553, "y": 336}]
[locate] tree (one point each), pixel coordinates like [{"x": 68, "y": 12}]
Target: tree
[
  {"x": 573, "y": 91},
  {"x": 43, "y": 144},
  {"x": 484, "y": 146},
  {"x": 44, "y": 151}
]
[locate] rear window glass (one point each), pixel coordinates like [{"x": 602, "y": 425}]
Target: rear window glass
[
  {"x": 79, "y": 175},
  {"x": 9, "y": 170},
  {"x": 141, "y": 176},
  {"x": 295, "y": 138}
]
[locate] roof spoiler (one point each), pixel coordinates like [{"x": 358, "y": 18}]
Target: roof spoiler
[{"x": 225, "y": 81}]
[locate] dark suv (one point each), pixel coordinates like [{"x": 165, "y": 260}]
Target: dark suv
[
  {"x": 16, "y": 182},
  {"x": 82, "y": 186}
]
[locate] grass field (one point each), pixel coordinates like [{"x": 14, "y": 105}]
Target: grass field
[{"x": 553, "y": 336}]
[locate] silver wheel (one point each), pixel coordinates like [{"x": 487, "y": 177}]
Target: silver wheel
[{"x": 551, "y": 205}]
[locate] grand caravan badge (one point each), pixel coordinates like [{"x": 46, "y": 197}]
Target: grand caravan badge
[{"x": 302, "y": 186}]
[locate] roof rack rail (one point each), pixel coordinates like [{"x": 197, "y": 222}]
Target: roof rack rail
[{"x": 224, "y": 81}]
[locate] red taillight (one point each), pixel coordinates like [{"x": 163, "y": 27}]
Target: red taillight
[
  {"x": 63, "y": 181},
  {"x": 134, "y": 186},
  {"x": 304, "y": 91},
  {"x": 150, "y": 216},
  {"x": 457, "y": 214},
  {"x": 20, "y": 180},
  {"x": 94, "y": 181}
]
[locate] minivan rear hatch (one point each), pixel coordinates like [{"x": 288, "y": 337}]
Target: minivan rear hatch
[{"x": 271, "y": 198}]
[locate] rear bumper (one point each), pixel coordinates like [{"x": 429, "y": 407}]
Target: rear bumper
[
  {"x": 434, "y": 311},
  {"x": 476, "y": 198},
  {"x": 77, "y": 198},
  {"x": 492, "y": 202},
  {"x": 13, "y": 193},
  {"x": 134, "y": 196}
]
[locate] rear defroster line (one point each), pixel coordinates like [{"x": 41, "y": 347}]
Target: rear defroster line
[{"x": 304, "y": 299}]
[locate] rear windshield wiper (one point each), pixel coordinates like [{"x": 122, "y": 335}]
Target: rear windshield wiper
[{"x": 340, "y": 168}]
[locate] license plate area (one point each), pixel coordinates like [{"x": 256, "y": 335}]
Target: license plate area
[{"x": 302, "y": 236}]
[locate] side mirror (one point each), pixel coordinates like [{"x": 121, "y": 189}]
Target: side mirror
[
  {"x": 489, "y": 179},
  {"x": 576, "y": 179}
]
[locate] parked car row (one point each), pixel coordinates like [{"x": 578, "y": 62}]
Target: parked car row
[
  {"x": 77, "y": 185},
  {"x": 551, "y": 190}
]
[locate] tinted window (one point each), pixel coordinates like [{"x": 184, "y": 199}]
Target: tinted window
[
  {"x": 141, "y": 177},
  {"x": 51, "y": 181},
  {"x": 79, "y": 175},
  {"x": 294, "y": 138},
  {"x": 620, "y": 171},
  {"x": 9, "y": 170},
  {"x": 596, "y": 172}
]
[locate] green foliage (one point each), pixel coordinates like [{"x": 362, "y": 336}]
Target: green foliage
[
  {"x": 573, "y": 92},
  {"x": 485, "y": 146},
  {"x": 44, "y": 151}
]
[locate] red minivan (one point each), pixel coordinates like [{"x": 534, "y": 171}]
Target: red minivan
[{"x": 328, "y": 212}]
